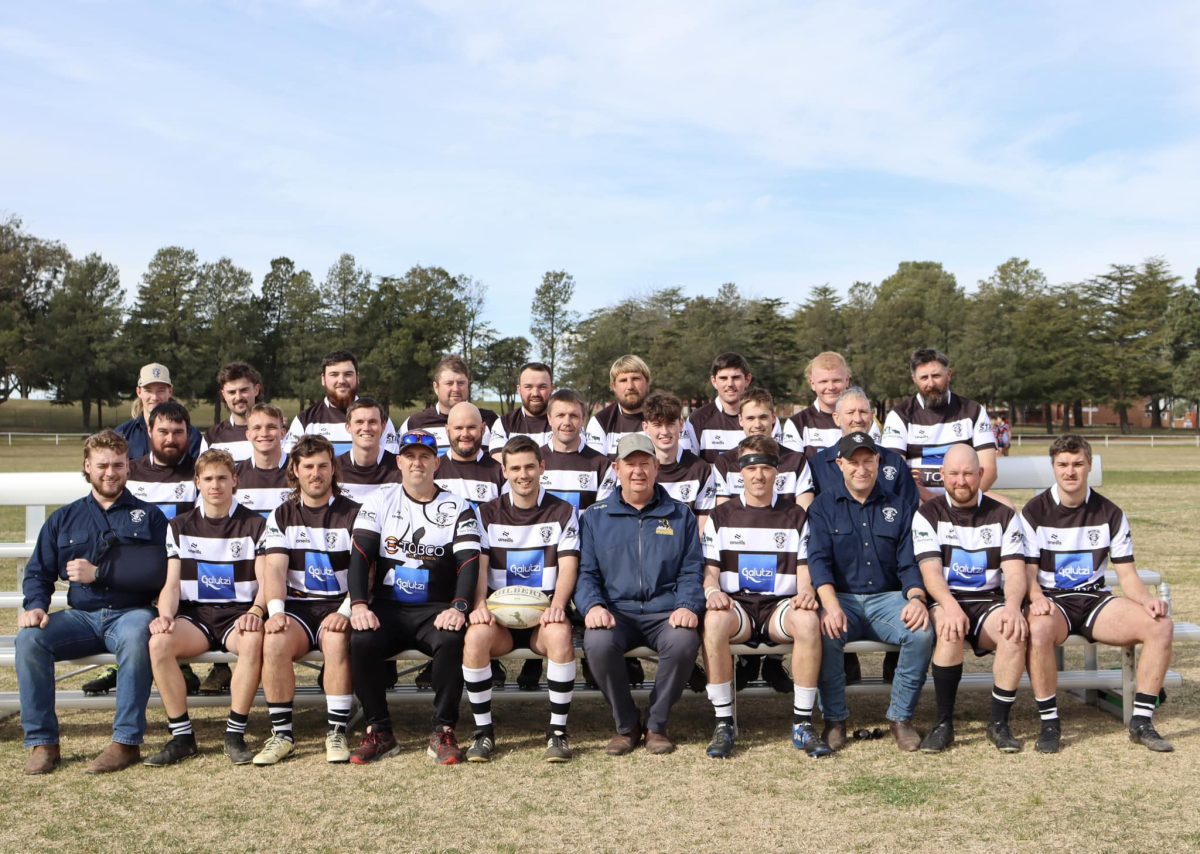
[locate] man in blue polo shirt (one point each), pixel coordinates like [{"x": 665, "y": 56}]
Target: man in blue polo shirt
[
  {"x": 860, "y": 560},
  {"x": 111, "y": 547},
  {"x": 640, "y": 571}
]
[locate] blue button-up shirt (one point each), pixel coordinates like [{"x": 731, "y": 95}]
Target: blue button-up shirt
[
  {"x": 861, "y": 547},
  {"x": 137, "y": 434},
  {"x": 895, "y": 478}
]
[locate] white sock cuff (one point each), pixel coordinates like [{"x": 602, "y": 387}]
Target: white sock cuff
[
  {"x": 560, "y": 671},
  {"x": 477, "y": 674}
]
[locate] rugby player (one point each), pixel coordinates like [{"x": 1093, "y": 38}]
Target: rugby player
[
  {"x": 573, "y": 471},
  {"x": 757, "y": 417},
  {"x": 262, "y": 479},
  {"x": 423, "y": 544},
  {"x": 466, "y": 470},
  {"x": 451, "y": 386},
  {"x": 153, "y": 387},
  {"x": 212, "y": 600},
  {"x": 629, "y": 379},
  {"x": 640, "y": 569},
  {"x": 924, "y": 426},
  {"x": 815, "y": 427},
  {"x": 535, "y": 384},
  {"x": 339, "y": 379},
  {"x": 869, "y": 588},
  {"x": 240, "y": 387},
  {"x": 756, "y": 589},
  {"x": 971, "y": 550},
  {"x": 366, "y": 467},
  {"x": 532, "y": 541},
  {"x": 307, "y": 549},
  {"x": 713, "y": 429},
  {"x": 1072, "y": 535},
  {"x": 684, "y": 476},
  {"x": 110, "y": 547}
]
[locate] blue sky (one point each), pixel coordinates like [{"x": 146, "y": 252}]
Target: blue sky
[{"x": 778, "y": 145}]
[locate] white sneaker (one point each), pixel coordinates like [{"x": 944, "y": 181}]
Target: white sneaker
[
  {"x": 274, "y": 751},
  {"x": 337, "y": 747}
]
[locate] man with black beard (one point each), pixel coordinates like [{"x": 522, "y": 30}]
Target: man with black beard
[
  {"x": 535, "y": 384},
  {"x": 466, "y": 470},
  {"x": 339, "y": 378}
]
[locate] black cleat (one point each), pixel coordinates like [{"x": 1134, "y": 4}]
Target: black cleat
[
  {"x": 637, "y": 674},
  {"x": 775, "y": 676},
  {"x": 218, "y": 680},
  {"x": 746, "y": 671},
  {"x": 999, "y": 734},
  {"x": 236, "y": 749},
  {"x": 1146, "y": 735},
  {"x": 103, "y": 683},
  {"x": 530, "y": 677},
  {"x": 499, "y": 674},
  {"x": 939, "y": 738},
  {"x": 424, "y": 678},
  {"x": 721, "y": 746},
  {"x": 1049, "y": 739},
  {"x": 190, "y": 680},
  {"x": 177, "y": 749}
]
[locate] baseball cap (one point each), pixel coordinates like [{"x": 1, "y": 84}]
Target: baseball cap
[
  {"x": 634, "y": 443},
  {"x": 852, "y": 442},
  {"x": 418, "y": 439},
  {"x": 154, "y": 373}
]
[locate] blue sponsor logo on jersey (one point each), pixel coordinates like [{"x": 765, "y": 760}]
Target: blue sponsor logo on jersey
[
  {"x": 757, "y": 572},
  {"x": 168, "y": 510},
  {"x": 319, "y": 575},
  {"x": 215, "y": 581},
  {"x": 340, "y": 448},
  {"x": 934, "y": 455},
  {"x": 525, "y": 568},
  {"x": 410, "y": 584},
  {"x": 571, "y": 498},
  {"x": 1072, "y": 569},
  {"x": 967, "y": 569}
]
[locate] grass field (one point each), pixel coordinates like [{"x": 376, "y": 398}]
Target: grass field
[{"x": 1099, "y": 794}]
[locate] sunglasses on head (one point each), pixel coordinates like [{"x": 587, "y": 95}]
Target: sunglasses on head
[{"x": 418, "y": 437}]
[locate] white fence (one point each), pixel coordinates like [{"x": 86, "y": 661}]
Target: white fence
[{"x": 1179, "y": 439}]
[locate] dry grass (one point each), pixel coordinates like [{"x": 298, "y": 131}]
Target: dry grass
[{"x": 1100, "y": 794}]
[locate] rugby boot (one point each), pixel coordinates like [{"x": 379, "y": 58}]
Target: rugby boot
[
  {"x": 852, "y": 667},
  {"x": 530, "y": 677},
  {"x": 236, "y": 749},
  {"x": 443, "y": 747},
  {"x": 424, "y": 678},
  {"x": 190, "y": 680},
  {"x": 999, "y": 734},
  {"x": 746, "y": 670},
  {"x": 939, "y": 738},
  {"x": 337, "y": 747},
  {"x": 177, "y": 749},
  {"x": 775, "y": 676},
  {"x": 103, "y": 683},
  {"x": 637, "y": 674},
  {"x": 499, "y": 674},
  {"x": 721, "y": 746},
  {"x": 558, "y": 748},
  {"x": 276, "y": 749},
  {"x": 376, "y": 744},
  {"x": 1145, "y": 734},
  {"x": 804, "y": 737},
  {"x": 1049, "y": 740},
  {"x": 483, "y": 745},
  {"x": 217, "y": 681}
]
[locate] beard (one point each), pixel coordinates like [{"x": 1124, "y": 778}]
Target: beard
[
  {"x": 339, "y": 399},
  {"x": 107, "y": 489},
  {"x": 536, "y": 406},
  {"x": 937, "y": 399},
  {"x": 468, "y": 450},
  {"x": 169, "y": 456}
]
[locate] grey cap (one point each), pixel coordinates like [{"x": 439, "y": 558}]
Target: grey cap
[{"x": 634, "y": 443}]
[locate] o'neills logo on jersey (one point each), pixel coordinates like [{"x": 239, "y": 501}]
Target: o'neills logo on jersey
[
  {"x": 302, "y": 536},
  {"x": 246, "y": 499},
  {"x": 193, "y": 549}
]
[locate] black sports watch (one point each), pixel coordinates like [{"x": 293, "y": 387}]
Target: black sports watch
[{"x": 460, "y": 605}]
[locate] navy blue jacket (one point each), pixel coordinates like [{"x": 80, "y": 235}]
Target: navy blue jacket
[
  {"x": 644, "y": 561},
  {"x": 129, "y": 548},
  {"x": 895, "y": 477},
  {"x": 862, "y": 548},
  {"x": 138, "y": 436}
]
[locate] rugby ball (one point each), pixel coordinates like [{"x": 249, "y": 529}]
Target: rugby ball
[{"x": 518, "y": 607}]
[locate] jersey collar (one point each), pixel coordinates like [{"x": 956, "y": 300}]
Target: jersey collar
[
  {"x": 953, "y": 506},
  {"x": 378, "y": 459},
  {"x": 1058, "y": 501},
  {"x": 232, "y": 506}
]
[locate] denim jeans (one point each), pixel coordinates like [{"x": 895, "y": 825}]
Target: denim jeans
[
  {"x": 75, "y": 634},
  {"x": 876, "y": 616}
]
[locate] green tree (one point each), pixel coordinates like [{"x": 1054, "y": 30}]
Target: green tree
[
  {"x": 820, "y": 323},
  {"x": 344, "y": 296},
  {"x": 772, "y": 351},
  {"x": 502, "y": 363},
  {"x": 30, "y": 271},
  {"x": 224, "y": 322},
  {"x": 159, "y": 328},
  {"x": 473, "y": 334},
  {"x": 551, "y": 319},
  {"x": 290, "y": 351},
  {"x": 84, "y": 318}
]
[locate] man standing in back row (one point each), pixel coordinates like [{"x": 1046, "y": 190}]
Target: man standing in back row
[
  {"x": 713, "y": 429},
  {"x": 452, "y": 386},
  {"x": 339, "y": 379},
  {"x": 534, "y": 386},
  {"x": 629, "y": 379},
  {"x": 241, "y": 388}
]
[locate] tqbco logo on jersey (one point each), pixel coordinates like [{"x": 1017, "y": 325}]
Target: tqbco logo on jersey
[
  {"x": 780, "y": 539},
  {"x": 136, "y": 516},
  {"x": 890, "y": 514},
  {"x": 889, "y": 472},
  {"x": 546, "y": 532},
  {"x": 1093, "y": 537}
]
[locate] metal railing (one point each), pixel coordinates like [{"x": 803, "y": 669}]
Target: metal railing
[{"x": 1190, "y": 439}]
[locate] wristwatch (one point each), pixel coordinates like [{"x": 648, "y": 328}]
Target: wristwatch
[{"x": 460, "y": 605}]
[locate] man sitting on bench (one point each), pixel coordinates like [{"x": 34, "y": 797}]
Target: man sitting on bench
[{"x": 1072, "y": 534}]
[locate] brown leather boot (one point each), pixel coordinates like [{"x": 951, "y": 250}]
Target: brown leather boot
[
  {"x": 116, "y": 757},
  {"x": 906, "y": 735},
  {"x": 658, "y": 743},
  {"x": 42, "y": 759}
]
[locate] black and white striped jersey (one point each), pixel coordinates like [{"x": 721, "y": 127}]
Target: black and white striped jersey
[
  {"x": 757, "y": 549},
  {"x": 608, "y": 426},
  {"x": 970, "y": 542},
  {"x": 229, "y": 437},
  {"x": 415, "y": 564},
  {"x": 478, "y": 480},
  {"x": 924, "y": 435},
  {"x": 317, "y": 542},
  {"x": 1073, "y": 546},
  {"x": 172, "y": 489},
  {"x": 574, "y": 476},
  {"x": 361, "y": 482},
  {"x": 216, "y": 555},
  {"x": 812, "y": 429},
  {"x": 433, "y": 421},
  {"x": 325, "y": 419},
  {"x": 523, "y": 546},
  {"x": 794, "y": 478},
  {"x": 262, "y": 490},
  {"x": 714, "y": 431},
  {"x": 518, "y": 423}
]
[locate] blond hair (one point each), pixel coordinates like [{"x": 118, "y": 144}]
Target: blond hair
[
  {"x": 827, "y": 361},
  {"x": 628, "y": 363}
]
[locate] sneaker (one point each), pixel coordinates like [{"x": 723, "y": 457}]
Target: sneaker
[
  {"x": 236, "y": 749},
  {"x": 483, "y": 744},
  {"x": 190, "y": 680},
  {"x": 804, "y": 737},
  {"x": 217, "y": 681},
  {"x": 1145, "y": 734},
  {"x": 999, "y": 734},
  {"x": 376, "y": 744},
  {"x": 721, "y": 746},
  {"x": 775, "y": 676},
  {"x": 424, "y": 678},
  {"x": 337, "y": 746},
  {"x": 177, "y": 749},
  {"x": 1049, "y": 739},
  {"x": 443, "y": 747},
  {"x": 558, "y": 749},
  {"x": 531, "y": 675},
  {"x": 275, "y": 750},
  {"x": 103, "y": 683},
  {"x": 499, "y": 674},
  {"x": 746, "y": 671},
  {"x": 939, "y": 738}
]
